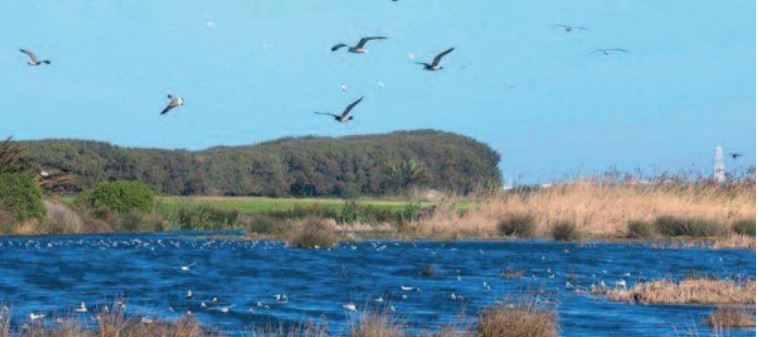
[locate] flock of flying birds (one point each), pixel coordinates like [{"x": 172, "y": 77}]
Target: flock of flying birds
[{"x": 359, "y": 48}]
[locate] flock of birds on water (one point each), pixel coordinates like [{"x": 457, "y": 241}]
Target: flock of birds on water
[
  {"x": 213, "y": 303},
  {"x": 359, "y": 47}
]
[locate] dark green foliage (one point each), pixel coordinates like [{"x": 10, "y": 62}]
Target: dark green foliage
[
  {"x": 20, "y": 197},
  {"x": 313, "y": 233},
  {"x": 520, "y": 225},
  {"x": 693, "y": 227},
  {"x": 204, "y": 217},
  {"x": 10, "y": 157},
  {"x": 410, "y": 212},
  {"x": 306, "y": 166},
  {"x": 744, "y": 227},
  {"x": 119, "y": 197},
  {"x": 565, "y": 231},
  {"x": 637, "y": 229},
  {"x": 350, "y": 212}
]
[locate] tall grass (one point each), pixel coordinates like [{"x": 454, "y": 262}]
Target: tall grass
[
  {"x": 599, "y": 209},
  {"x": 523, "y": 319},
  {"x": 688, "y": 291}
]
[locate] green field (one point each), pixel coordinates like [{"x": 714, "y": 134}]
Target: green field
[{"x": 262, "y": 205}]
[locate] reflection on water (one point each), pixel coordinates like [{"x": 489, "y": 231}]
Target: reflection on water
[{"x": 55, "y": 274}]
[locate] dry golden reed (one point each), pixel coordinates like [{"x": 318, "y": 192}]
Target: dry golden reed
[
  {"x": 599, "y": 209},
  {"x": 731, "y": 317},
  {"x": 688, "y": 291}
]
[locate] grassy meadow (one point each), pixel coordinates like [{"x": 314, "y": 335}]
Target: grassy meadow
[{"x": 264, "y": 205}]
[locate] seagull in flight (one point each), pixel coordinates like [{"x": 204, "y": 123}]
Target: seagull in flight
[
  {"x": 435, "y": 65},
  {"x": 735, "y": 155},
  {"x": 609, "y": 51},
  {"x": 570, "y": 28},
  {"x": 33, "y": 60},
  {"x": 345, "y": 116},
  {"x": 173, "y": 102},
  {"x": 360, "y": 47}
]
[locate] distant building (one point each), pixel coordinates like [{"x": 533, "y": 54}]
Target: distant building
[{"x": 719, "y": 169}]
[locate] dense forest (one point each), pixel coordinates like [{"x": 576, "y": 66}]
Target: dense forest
[{"x": 304, "y": 166}]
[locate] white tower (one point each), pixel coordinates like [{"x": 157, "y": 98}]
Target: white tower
[{"x": 719, "y": 168}]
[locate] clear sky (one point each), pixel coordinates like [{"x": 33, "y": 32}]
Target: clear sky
[{"x": 254, "y": 70}]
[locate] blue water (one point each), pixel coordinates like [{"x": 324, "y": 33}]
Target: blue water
[{"x": 53, "y": 275}]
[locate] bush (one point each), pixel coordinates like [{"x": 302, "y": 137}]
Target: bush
[
  {"x": 731, "y": 317},
  {"x": 694, "y": 227},
  {"x": 21, "y": 197},
  {"x": 565, "y": 231},
  {"x": 204, "y": 217},
  {"x": 313, "y": 233},
  {"x": 350, "y": 212},
  {"x": 744, "y": 227},
  {"x": 264, "y": 224},
  {"x": 61, "y": 219},
  {"x": 520, "y": 225},
  {"x": 118, "y": 197},
  {"x": 524, "y": 319},
  {"x": 637, "y": 229}
]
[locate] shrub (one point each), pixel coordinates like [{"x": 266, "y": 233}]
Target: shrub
[
  {"x": 312, "y": 233},
  {"x": 410, "y": 212},
  {"x": 731, "y": 317},
  {"x": 350, "y": 212},
  {"x": 637, "y": 229},
  {"x": 21, "y": 197},
  {"x": 61, "y": 219},
  {"x": 524, "y": 319},
  {"x": 744, "y": 227},
  {"x": 565, "y": 231},
  {"x": 520, "y": 225},
  {"x": 205, "y": 217},
  {"x": 118, "y": 197},
  {"x": 694, "y": 227},
  {"x": 264, "y": 224}
]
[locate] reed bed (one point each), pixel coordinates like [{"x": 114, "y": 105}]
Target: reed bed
[
  {"x": 688, "y": 291},
  {"x": 599, "y": 209},
  {"x": 731, "y": 317}
]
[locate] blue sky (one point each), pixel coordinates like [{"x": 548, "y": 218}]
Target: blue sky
[{"x": 531, "y": 91}]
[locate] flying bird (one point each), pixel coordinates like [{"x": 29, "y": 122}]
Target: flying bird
[
  {"x": 435, "y": 65},
  {"x": 609, "y": 51},
  {"x": 33, "y": 60},
  {"x": 569, "y": 28},
  {"x": 173, "y": 102},
  {"x": 360, "y": 47},
  {"x": 735, "y": 155},
  {"x": 345, "y": 116}
]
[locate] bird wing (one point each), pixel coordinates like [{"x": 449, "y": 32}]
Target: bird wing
[
  {"x": 338, "y": 46},
  {"x": 350, "y": 107},
  {"x": 441, "y": 55},
  {"x": 619, "y": 50},
  {"x": 31, "y": 55},
  {"x": 597, "y": 51},
  {"x": 165, "y": 111},
  {"x": 363, "y": 41},
  {"x": 170, "y": 96},
  {"x": 327, "y": 114}
]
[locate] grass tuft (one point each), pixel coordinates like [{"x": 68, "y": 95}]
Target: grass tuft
[
  {"x": 731, "y": 317},
  {"x": 565, "y": 231},
  {"x": 377, "y": 325},
  {"x": 642, "y": 230},
  {"x": 686, "y": 226},
  {"x": 689, "y": 291},
  {"x": 518, "y": 225},
  {"x": 744, "y": 227},
  {"x": 525, "y": 319}
]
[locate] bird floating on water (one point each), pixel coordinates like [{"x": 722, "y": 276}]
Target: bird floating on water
[
  {"x": 281, "y": 298},
  {"x": 609, "y": 51},
  {"x": 435, "y": 65},
  {"x": 189, "y": 294},
  {"x": 34, "y": 317},
  {"x": 359, "y": 47},
  {"x": 187, "y": 267},
  {"x": 349, "y": 307},
  {"x": 173, "y": 102},
  {"x": 33, "y": 59},
  {"x": 82, "y": 308},
  {"x": 345, "y": 116}
]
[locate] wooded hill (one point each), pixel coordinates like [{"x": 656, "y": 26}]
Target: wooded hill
[{"x": 303, "y": 166}]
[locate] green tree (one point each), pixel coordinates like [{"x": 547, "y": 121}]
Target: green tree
[
  {"x": 119, "y": 196},
  {"x": 21, "y": 196}
]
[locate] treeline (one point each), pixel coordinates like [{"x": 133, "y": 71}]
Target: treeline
[{"x": 305, "y": 166}]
